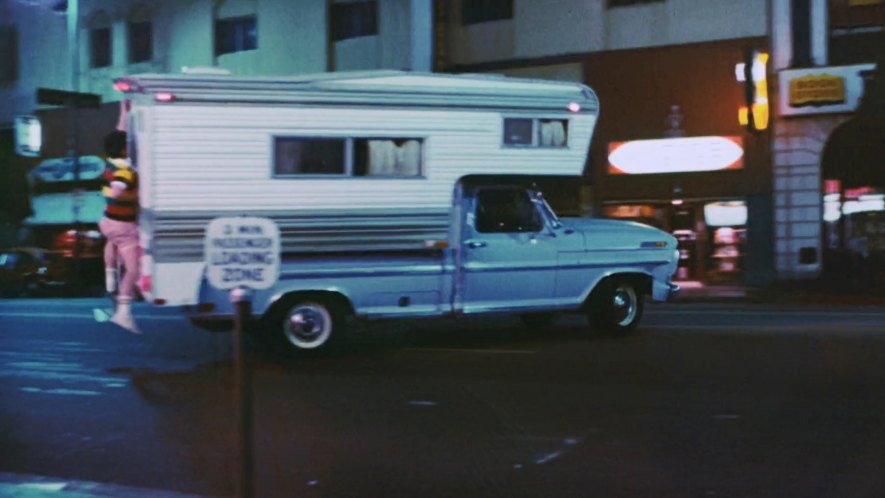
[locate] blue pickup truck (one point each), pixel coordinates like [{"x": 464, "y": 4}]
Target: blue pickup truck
[
  {"x": 507, "y": 252},
  {"x": 395, "y": 194}
]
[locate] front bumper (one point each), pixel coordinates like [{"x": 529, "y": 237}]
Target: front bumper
[{"x": 664, "y": 291}]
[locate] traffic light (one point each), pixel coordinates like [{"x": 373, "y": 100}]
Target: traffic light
[{"x": 753, "y": 74}]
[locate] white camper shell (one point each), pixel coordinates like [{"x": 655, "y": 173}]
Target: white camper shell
[{"x": 342, "y": 162}]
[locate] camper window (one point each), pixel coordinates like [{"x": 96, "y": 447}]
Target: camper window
[
  {"x": 387, "y": 156},
  {"x": 309, "y": 156},
  {"x": 526, "y": 132},
  {"x": 350, "y": 157},
  {"x": 518, "y": 131}
]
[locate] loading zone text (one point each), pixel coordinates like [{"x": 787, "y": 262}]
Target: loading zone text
[{"x": 243, "y": 253}]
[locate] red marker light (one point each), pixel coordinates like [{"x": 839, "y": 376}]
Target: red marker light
[
  {"x": 164, "y": 97},
  {"x": 574, "y": 107},
  {"x": 122, "y": 86}
]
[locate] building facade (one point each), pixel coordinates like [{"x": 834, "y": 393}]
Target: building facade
[
  {"x": 829, "y": 129},
  {"x": 664, "y": 71},
  {"x": 267, "y": 37}
]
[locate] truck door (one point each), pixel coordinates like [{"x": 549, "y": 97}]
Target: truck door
[{"x": 507, "y": 260}]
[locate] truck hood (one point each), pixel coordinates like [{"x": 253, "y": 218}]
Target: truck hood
[{"x": 628, "y": 234}]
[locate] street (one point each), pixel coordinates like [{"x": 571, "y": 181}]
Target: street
[{"x": 718, "y": 400}]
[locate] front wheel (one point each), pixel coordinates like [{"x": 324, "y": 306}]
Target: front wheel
[
  {"x": 309, "y": 325},
  {"x": 617, "y": 308}
]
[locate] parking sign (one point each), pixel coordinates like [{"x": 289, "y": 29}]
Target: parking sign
[{"x": 242, "y": 252}]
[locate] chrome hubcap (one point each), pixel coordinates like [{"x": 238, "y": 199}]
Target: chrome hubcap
[
  {"x": 624, "y": 304},
  {"x": 309, "y": 325}
]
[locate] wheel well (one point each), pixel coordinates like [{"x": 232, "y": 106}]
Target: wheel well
[
  {"x": 325, "y": 296},
  {"x": 640, "y": 281}
]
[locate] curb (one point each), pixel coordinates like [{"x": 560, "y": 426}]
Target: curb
[
  {"x": 33, "y": 486},
  {"x": 782, "y": 298}
]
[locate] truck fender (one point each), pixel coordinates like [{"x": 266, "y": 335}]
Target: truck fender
[
  {"x": 332, "y": 294},
  {"x": 641, "y": 280}
]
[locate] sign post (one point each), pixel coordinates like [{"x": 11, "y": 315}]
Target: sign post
[{"x": 242, "y": 254}]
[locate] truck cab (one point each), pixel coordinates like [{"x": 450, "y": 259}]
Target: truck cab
[{"x": 515, "y": 254}]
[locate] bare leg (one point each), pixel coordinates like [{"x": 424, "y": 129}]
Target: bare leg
[
  {"x": 123, "y": 315},
  {"x": 110, "y": 267}
]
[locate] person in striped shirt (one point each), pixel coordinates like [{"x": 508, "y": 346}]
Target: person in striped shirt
[{"x": 119, "y": 226}]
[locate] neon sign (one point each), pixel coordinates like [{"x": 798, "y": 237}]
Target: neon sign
[{"x": 675, "y": 155}]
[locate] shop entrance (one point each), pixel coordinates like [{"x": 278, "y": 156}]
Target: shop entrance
[{"x": 712, "y": 234}]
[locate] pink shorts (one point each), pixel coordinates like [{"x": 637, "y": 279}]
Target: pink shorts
[{"x": 123, "y": 234}]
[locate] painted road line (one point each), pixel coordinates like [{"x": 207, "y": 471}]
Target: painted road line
[
  {"x": 473, "y": 351},
  {"x": 769, "y": 312},
  {"x": 421, "y": 402},
  {"x": 840, "y": 328},
  {"x": 59, "y": 391}
]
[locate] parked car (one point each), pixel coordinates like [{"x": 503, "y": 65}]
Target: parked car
[{"x": 31, "y": 270}]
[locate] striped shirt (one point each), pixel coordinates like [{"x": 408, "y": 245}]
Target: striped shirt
[{"x": 125, "y": 206}]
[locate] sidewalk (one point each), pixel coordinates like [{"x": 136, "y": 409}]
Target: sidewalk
[
  {"x": 791, "y": 293},
  {"x": 30, "y": 486}
]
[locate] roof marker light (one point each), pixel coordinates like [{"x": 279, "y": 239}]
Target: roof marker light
[
  {"x": 164, "y": 97},
  {"x": 574, "y": 106}
]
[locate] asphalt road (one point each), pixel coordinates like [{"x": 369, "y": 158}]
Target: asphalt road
[{"x": 705, "y": 401}]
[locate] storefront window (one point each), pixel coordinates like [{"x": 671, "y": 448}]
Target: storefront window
[
  {"x": 711, "y": 236},
  {"x": 854, "y": 219}
]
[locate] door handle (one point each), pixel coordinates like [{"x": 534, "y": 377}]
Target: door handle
[{"x": 476, "y": 244}]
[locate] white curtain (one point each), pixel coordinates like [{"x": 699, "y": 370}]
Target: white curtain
[
  {"x": 386, "y": 159},
  {"x": 409, "y": 159},
  {"x": 382, "y": 157},
  {"x": 552, "y": 134}
]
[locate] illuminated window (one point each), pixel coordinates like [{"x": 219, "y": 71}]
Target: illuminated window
[
  {"x": 533, "y": 132},
  {"x": 354, "y": 19},
  {"x": 235, "y": 35},
  {"x": 478, "y": 11},
  {"x": 351, "y": 157}
]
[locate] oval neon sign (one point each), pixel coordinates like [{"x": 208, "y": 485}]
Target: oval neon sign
[{"x": 675, "y": 155}]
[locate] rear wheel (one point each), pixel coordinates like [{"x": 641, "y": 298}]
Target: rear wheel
[
  {"x": 309, "y": 324},
  {"x": 616, "y": 307}
]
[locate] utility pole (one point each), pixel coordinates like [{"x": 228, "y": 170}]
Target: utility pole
[{"x": 73, "y": 145}]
